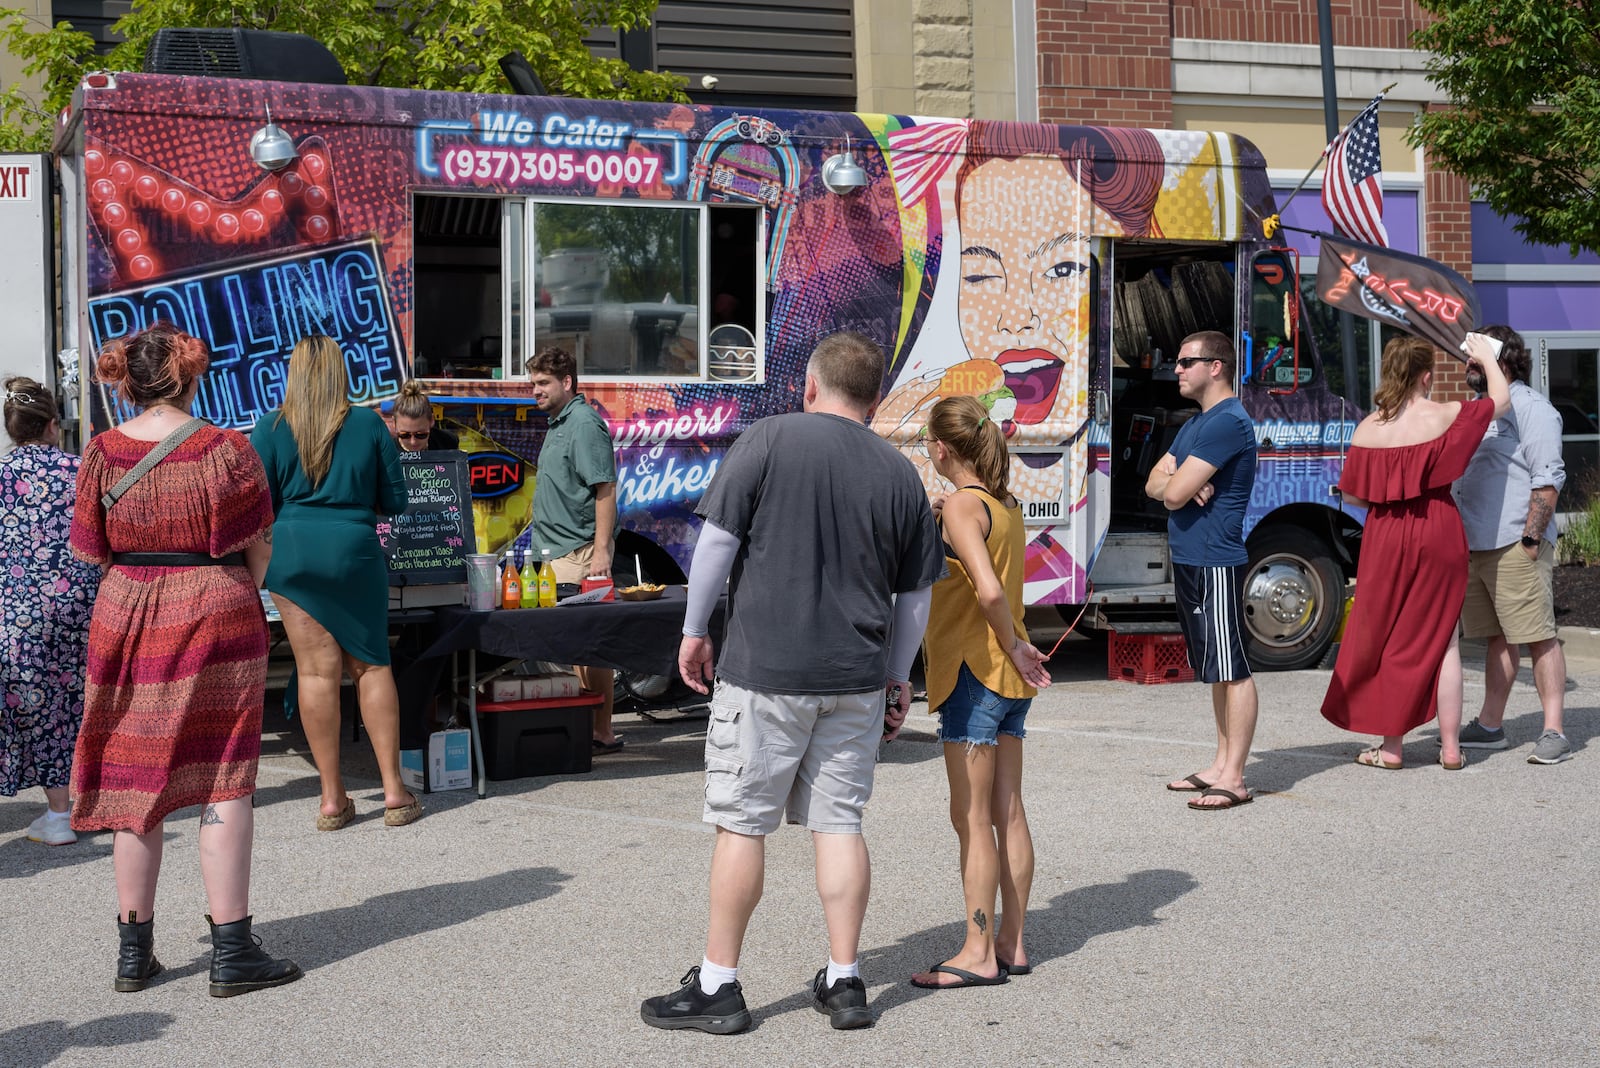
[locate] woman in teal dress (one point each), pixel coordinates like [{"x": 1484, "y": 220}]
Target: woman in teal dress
[{"x": 333, "y": 469}]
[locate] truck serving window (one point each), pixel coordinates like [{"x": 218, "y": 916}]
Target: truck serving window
[{"x": 651, "y": 290}]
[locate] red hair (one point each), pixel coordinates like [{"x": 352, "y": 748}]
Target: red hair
[{"x": 156, "y": 364}]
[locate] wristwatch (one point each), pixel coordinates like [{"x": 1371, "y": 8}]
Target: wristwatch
[{"x": 1530, "y": 543}]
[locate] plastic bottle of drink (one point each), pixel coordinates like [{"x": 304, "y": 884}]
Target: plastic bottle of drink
[
  {"x": 510, "y": 584},
  {"x": 530, "y": 582},
  {"x": 547, "y": 581}
]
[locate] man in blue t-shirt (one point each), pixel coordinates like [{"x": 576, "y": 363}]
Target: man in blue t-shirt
[{"x": 1205, "y": 483}]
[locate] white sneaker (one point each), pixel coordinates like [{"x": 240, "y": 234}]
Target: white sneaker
[{"x": 52, "y": 830}]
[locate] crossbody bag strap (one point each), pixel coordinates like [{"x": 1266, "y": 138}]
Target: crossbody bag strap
[{"x": 162, "y": 450}]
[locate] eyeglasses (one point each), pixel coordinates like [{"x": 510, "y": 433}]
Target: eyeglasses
[
  {"x": 926, "y": 444},
  {"x": 1189, "y": 361}
]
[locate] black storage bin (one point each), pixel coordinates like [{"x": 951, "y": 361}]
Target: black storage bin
[{"x": 544, "y": 737}]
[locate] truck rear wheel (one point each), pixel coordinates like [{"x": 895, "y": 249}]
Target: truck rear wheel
[{"x": 1293, "y": 598}]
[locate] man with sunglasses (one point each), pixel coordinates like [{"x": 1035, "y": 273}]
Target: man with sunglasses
[{"x": 1205, "y": 483}]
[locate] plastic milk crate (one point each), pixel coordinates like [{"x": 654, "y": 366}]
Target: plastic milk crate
[
  {"x": 1138, "y": 655},
  {"x": 552, "y": 736}
]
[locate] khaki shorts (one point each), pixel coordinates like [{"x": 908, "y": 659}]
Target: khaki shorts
[
  {"x": 811, "y": 756},
  {"x": 1511, "y": 595},
  {"x": 573, "y": 568}
]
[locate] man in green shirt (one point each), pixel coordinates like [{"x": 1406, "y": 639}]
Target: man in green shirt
[{"x": 575, "y": 500}]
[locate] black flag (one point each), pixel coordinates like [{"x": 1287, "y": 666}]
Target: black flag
[{"x": 1422, "y": 297}]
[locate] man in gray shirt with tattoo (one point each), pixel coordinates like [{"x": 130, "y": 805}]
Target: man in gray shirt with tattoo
[
  {"x": 1508, "y": 501},
  {"x": 825, "y": 537}
]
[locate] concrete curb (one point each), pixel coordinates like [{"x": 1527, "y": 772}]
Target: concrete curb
[{"x": 1580, "y": 641}]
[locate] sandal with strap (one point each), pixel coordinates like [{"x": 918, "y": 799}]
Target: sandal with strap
[
  {"x": 338, "y": 819},
  {"x": 1374, "y": 758}
]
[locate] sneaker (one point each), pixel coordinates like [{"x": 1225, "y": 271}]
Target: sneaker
[
  {"x": 722, "y": 1013},
  {"x": 1476, "y": 736},
  {"x": 1551, "y": 748},
  {"x": 844, "y": 1003},
  {"x": 53, "y": 831}
]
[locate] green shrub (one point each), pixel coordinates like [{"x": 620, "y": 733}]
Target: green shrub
[{"x": 1580, "y": 538}]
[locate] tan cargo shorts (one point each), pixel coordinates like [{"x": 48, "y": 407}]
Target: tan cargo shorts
[
  {"x": 810, "y": 756},
  {"x": 1509, "y": 594},
  {"x": 573, "y": 568}
]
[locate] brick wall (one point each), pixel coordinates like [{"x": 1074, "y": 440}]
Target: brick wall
[
  {"x": 1356, "y": 23},
  {"x": 1447, "y": 237},
  {"x": 1105, "y": 61}
]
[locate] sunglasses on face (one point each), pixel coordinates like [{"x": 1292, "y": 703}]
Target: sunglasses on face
[
  {"x": 1189, "y": 361},
  {"x": 407, "y": 435}
]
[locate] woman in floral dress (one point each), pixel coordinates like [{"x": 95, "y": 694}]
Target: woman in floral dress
[{"x": 44, "y": 616}]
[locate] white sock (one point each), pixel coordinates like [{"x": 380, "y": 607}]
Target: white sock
[
  {"x": 713, "y": 976},
  {"x": 837, "y": 971},
  {"x": 53, "y": 814}
]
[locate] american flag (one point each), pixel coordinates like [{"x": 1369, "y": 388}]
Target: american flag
[{"x": 1352, "y": 193}]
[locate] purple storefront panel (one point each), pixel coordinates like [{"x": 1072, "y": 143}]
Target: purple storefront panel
[
  {"x": 1305, "y": 212},
  {"x": 1494, "y": 240},
  {"x": 1537, "y": 306}
]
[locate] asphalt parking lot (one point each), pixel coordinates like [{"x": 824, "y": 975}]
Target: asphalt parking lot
[{"x": 1350, "y": 916}]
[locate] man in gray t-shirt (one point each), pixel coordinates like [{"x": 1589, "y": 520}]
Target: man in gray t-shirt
[{"x": 825, "y": 537}]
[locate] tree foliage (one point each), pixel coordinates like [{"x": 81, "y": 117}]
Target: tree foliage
[
  {"x": 418, "y": 44},
  {"x": 1523, "y": 77}
]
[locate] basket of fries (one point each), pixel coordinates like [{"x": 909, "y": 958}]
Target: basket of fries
[{"x": 644, "y": 591}]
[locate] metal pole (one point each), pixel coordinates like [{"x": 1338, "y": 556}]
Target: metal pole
[{"x": 1330, "y": 120}]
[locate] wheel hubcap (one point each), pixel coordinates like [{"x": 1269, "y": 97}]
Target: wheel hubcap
[{"x": 1280, "y": 601}]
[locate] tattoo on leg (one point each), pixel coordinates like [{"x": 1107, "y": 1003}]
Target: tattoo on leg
[
  {"x": 210, "y": 816},
  {"x": 980, "y": 919}
]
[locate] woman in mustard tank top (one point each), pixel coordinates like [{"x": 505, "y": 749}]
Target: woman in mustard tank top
[{"x": 982, "y": 674}]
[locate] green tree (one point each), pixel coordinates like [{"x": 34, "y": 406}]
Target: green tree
[
  {"x": 418, "y": 44},
  {"x": 1523, "y": 77}
]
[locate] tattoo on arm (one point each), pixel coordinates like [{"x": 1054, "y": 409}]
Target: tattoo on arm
[
  {"x": 1541, "y": 508},
  {"x": 210, "y": 816},
  {"x": 980, "y": 919}
]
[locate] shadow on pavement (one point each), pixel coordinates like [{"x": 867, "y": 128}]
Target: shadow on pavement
[
  {"x": 38, "y": 1044},
  {"x": 1058, "y": 930}
]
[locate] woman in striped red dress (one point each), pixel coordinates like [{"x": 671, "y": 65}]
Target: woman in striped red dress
[{"x": 177, "y": 654}]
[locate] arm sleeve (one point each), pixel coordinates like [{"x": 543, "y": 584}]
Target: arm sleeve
[
  {"x": 1541, "y": 438},
  {"x": 88, "y": 537},
  {"x": 261, "y": 442},
  {"x": 392, "y": 495},
  {"x": 241, "y": 506},
  {"x": 1219, "y": 440},
  {"x": 595, "y": 459},
  {"x": 910, "y": 621},
  {"x": 708, "y": 573}
]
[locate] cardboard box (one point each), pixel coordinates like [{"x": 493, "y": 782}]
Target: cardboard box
[
  {"x": 445, "y": 765},
  {"x": 505, "y": 688},
  {"x": 548, "y": 737},
  {"x": 543, "y": 687},
  {"x": 450, "y": 760}
]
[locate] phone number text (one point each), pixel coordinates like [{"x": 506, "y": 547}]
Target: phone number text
[{"x": 469, "y": 164}]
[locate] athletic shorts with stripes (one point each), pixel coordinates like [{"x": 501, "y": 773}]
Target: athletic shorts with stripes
[{"x": 1208, "y": 612}]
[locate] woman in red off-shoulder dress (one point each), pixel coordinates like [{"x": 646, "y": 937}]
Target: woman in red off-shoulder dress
[{"x": 1399, "y": 665}]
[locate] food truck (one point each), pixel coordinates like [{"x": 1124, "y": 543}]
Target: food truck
[{"x": 690, "y": 257}]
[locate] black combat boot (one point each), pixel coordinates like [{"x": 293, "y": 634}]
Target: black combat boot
[
  {"x": 238, "y": 965},
  {"x": 136, "y": 957}
]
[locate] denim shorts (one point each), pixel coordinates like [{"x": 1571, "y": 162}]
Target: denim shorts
[{"x": 976, "y": 715}]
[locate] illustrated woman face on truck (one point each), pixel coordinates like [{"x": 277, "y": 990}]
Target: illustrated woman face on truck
[{"x": 1025, "y": 282}]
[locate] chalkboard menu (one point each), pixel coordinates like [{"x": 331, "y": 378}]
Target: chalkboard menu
[{"x": 428, "y": 544}]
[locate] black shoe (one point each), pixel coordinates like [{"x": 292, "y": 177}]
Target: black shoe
[
  {"x": 845, "y": 1002},
  {"x": 238, "y": 964},
  {"x": 136, "y": 955},
  {"x": 722, "y": 1013}
]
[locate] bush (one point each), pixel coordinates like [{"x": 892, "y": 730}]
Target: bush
[{"x": 1580, "y": 538}]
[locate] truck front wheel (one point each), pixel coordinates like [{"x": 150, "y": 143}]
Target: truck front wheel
[{"x": 1293, "y": 598}]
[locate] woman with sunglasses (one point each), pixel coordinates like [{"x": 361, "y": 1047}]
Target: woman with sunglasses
[
  {"x": 412, "y": 422},
  {"x": 982, "y": 674},
  {"x": 44, "y": 618}
]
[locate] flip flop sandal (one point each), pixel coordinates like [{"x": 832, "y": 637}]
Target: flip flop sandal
[
  {"x": 1014, "y": 969},
  {"x": 967, "y": 979},
  {"x": 1196, "y": 784},
  {"x": 338, "y": 819},
  {"x": 606, "y": 747},
  {"x": 405, "y": 814},
  {"x": 1373, "y": 758},
  {"x": 1457, "y": 766},
  {"x": 1234, "y": 800}
]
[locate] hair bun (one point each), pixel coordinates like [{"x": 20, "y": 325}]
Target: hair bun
[{"x": 111, "y": 367}]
